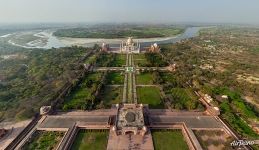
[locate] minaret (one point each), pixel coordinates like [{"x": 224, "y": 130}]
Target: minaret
[
  {"x": 120, "y": 47},
  {"x": 138, "y": 46}
]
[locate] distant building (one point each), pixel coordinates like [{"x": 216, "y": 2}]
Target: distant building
[
  {"x": 224, "y": 96},
  {"x": 172, "y": 67},
  {"x": 208, "y": 98},
  {"x": 129, "y": 46},
  {"x": 105, "y": 47},
  {"x": 213, "y": 110},
  {"x": 154, "y": 48}
]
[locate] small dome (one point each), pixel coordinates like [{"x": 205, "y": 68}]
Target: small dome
[
  {"x": 129, "y": 41},
  {"x": 130, "y": 117}
]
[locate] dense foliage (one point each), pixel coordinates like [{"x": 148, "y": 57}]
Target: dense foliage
[
  {"x": 31, "y": 78},
  {"x": 231, "y": 62}
]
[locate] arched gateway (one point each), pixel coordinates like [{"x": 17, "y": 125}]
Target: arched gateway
[{"x": 130, "y": 119}]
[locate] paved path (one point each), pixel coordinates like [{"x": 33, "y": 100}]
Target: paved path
[
  {"x": 129, "y": 90},
  {"x": 130, "y": 142},
  {"x": 190, "y": 121}
]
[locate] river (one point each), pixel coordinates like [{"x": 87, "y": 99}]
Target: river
[{"x": 48, "y": 40}]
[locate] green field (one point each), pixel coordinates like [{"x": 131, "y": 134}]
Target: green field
[
  {"x": 169, "y": 140},
  {"x": 81, "y": 96},
  {"x": 140, "y": 60},
  {"x": 118, "y": 61},
  {"x": 120, "y": 32},
  {"x": 151, "y": 96},
  {"x": 145, "y": 78},
  {"x": 115, "y": 78},
  {"x": 111, "y": 95},
  {"x": 90, "y": 140},
  {"x": 44, "y": 140}
]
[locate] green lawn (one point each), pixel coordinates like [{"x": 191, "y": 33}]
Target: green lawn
[
  {"x": 115, "y": 78},
  {"x": 140, "y": 60},
  {"x": 111, "y": 95},
  {"x": 90, "y": 140},
  {"x": 169, "y": 140},
  {"x": 145, "y": 78},
  {"x": 80, "y": 96},
  {"x": 44, "y": 140},
  {"x": 151, "y": 96},
  {"x": 119, "y": 60}
]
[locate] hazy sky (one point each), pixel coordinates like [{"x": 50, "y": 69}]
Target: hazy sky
[{"x": 154, "y": 11}]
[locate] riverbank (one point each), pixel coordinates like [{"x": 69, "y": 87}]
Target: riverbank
[{"x": 45, "y": 39}]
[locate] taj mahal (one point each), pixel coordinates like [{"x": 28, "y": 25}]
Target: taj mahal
[{"x": 130, "y": 46}]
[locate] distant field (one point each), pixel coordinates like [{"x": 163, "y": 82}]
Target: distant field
[
  {"x": 169, "y": 140},
  {"x": 151, "y": 96},
  {"x": 120, "y": 32},
  {"x": 90, "y": 140}
]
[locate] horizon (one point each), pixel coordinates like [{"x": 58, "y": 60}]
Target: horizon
[{"x": 125, "y": 11}]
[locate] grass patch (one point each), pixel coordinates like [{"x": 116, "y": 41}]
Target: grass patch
[
  {"x": 111, "y": 95},
  {"x": 151, "y": 96},
  {"x": 145, "y": 78},
  {"x": 168, "y": 140},
  {"x": 140, "y": 60},
  {"x": 44, "y": 140},
  {"x": 217, "y": 139},
  {"x": 81, "y": 97},
  {"x": 118, "y": 61},
  {"x": 115, "y": 78},
  {"x": 90, "y": 140}
]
